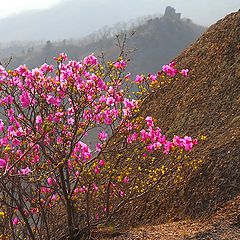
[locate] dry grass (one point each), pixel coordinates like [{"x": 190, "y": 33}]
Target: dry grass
[{"x": 224, "y": 225}]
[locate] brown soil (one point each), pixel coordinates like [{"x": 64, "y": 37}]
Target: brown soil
[{"x": 224, "y": 225}]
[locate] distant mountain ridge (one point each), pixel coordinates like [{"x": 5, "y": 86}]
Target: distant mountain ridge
[{"x": 156, "y": 41}]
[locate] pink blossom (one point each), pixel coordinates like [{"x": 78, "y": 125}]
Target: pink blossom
[
  {"x": 50, "y": 181},
  {"x": 11, "y": 131},
  {"x": 1, "y": 125},
  {"x": 45, "y": 190},
  {"x": 177, "y": 141},
  {"x": 34, "y": 210},
  {"x": 46, "y": 68},
  {"x": 97, "y": 170},
  {"x": 36, "y": 159},
  {"x": 120, "y": 65},
  {"x": 77, "y": 173},
  {"x": 22, "y": 70},
  {"x": 15, "y": 221},
  {"x": 195, "y": 141},
  {"x": 39, "y": 120},
  {"x": 74, "y": 99},
  {"x": 127, "y": 77},
  {"x": 7, "y": 100},
  {"x": 95, "y": 187},
  {"x": 10, "y": 99},
  {"x": 149, "y": 121},
  {"x": 3, "y": 74},
  {"x": 150, "y": 147},
  {"x": 126, "y": 179},
  {"x": 76, "y": 190},
  {"x": 84, "y": 151},
  {"x": 54, "y": 197},
  {"x": 59, "y": 140},
  {"x": 101, "y": 162},
  {"x": 132, "y": 138},
  {"x": 130, "y": 104},
  {"x": 139, "y": 79},
  {"x": 169, "y": 70},
  {"x": 108, "y": 120},
  {"x": 152, "y": 77},
  {"x": 3, "y": 163},
  {"x": 172, "y": 64},
  {"x": 184, "y": 72},
  {"x": 102, "y": 136},
  {"x": 52, "y": 100},
  {"x": 25, "y": 171},
  {"x": 70, "y": 121},
  {"x": 4, "y": 141},
  {"x": 167, "y": 147},
  {"x": 70, "y": 111},
  {"x": 16, "y": 142},
  {"x": 102, "y": 99},
  {"x": 25, "y": 99},
  {"x": 63, "y": 56},
  {"x": 98, "y": 147},
  {"x": 144, "y": 135},
  {"x": 83, "y": 189},
  {"x": 188, "y": 143},
  {"x": 121, "y": 193},
  {"x": 90, "y": 60},
  {"x": 110, "y": 101}
]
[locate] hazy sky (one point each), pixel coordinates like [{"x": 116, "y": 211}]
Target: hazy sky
[
  {"x": 201, "y": 11},
  {"x": 11, "y": 7},
  {"x": 60, "y": 19}
]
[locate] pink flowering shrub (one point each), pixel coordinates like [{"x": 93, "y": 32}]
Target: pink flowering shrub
[{"x": 46, "y": 162}]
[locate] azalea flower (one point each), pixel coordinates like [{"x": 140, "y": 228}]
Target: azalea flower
[
  {"x": 184, "y": 72},
  {"x": 139, "y": 79},
  {"x": 169, "y": 70},
  {"x": 25, "y": 99},
  {"x": 25, "y": 171},
  {"x": 39, "y": 120},
  {"x": 15, "y": 221},
  {"x": 3, "y": 163},
  {"x": 1, "y": 125},
  {"x": 102, "y": 136}
]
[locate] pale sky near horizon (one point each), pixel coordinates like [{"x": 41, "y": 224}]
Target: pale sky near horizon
[
  {"x": 12, "y": 7},
  {"x": 204, "y": 12}
]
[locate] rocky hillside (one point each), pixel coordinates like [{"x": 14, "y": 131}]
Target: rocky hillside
[
  {"x": 206, "y": 205},
  {"x": 207, "y": 103}
]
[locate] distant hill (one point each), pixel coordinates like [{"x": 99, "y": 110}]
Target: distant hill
[{"x": 156, "y": 41}]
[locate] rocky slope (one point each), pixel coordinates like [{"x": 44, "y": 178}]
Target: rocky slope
[
  {"x": 207, "y": 103},
  {"x": 206, "y": 205}
]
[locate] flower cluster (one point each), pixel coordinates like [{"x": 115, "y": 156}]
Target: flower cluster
[
  {"x": 171, "y": 70},
  {"x": 54, "y": 151}
]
